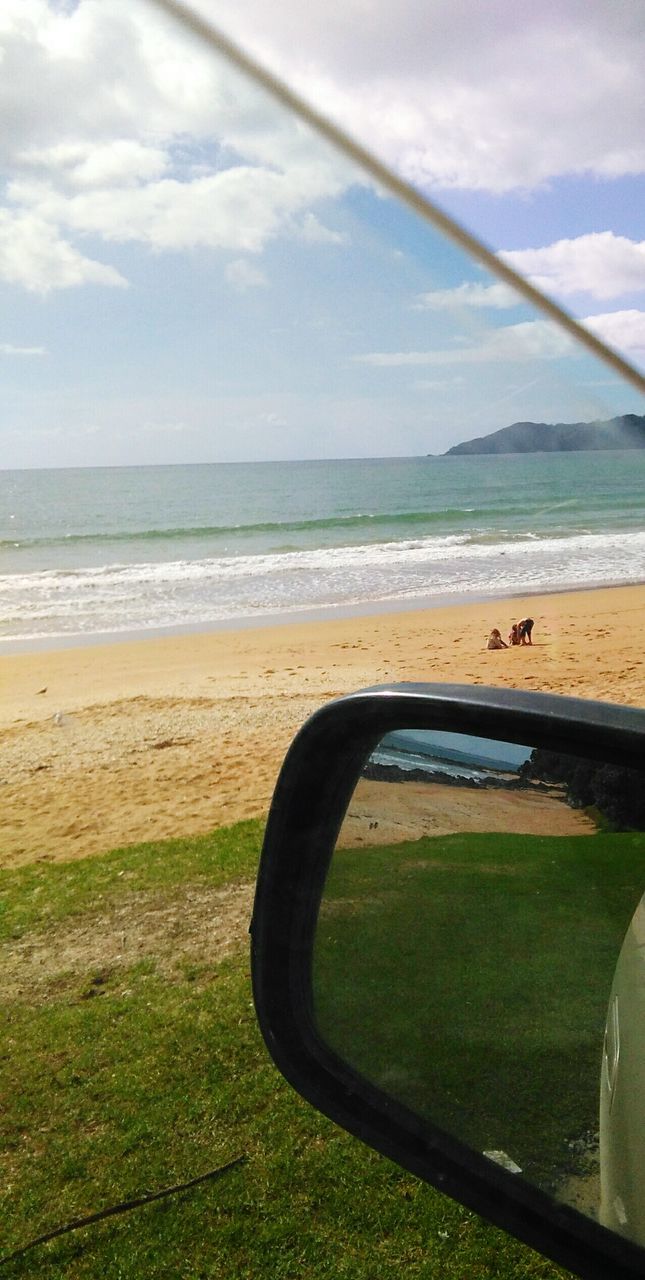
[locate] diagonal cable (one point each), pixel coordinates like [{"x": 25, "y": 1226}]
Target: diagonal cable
[
  {"x": 124, "y": 1206},
  {"x": 212, "y": 36}
]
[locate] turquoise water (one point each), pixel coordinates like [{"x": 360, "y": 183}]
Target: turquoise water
[{"x": 88, "y": 551}]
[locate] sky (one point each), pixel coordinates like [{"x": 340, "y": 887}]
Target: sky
[{"x": 187, "y": 274}]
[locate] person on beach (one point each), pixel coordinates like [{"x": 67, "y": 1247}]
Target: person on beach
[
  {"x": 513, "y": 635},
  {"x": 524, "y": 629},
  {"x": 495, "y": 640}
]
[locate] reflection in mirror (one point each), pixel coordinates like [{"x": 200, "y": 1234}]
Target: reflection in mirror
[{"x": 468, "y": 937}]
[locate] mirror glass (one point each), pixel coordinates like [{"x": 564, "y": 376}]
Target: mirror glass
[{"x": 481, "y": 915}]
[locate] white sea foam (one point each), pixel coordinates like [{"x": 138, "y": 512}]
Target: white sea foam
[{"x": 127, "y": 597}]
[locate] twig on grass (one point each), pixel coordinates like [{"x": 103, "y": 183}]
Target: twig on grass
[{"x": 123, "y": 1207}]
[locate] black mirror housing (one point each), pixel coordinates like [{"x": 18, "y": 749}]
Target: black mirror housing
[{"x": 311, "y": 798}]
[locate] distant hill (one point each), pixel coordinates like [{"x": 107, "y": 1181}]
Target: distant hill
[{"x": 627, "y": 432}]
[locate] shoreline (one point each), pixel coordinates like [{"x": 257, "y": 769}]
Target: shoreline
[
  {"x": 286, "y": 618},
  {"x": 111, "y": 744}
]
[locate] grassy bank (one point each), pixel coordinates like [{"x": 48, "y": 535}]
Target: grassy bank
[{"x": 131, "y": 1061}]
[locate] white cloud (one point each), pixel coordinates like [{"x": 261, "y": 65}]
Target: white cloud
[
  {"x": 623, "y": 330},
  {"x": 8, "y": 349},
  {"x": 455, "y": 93},
  {"x": 601, "y": 264},
  {"x": 497, "y": 296},
  {"x": 32, "y": 254},
  {"x": 91, "y": 71},
  {"x": 531, "y": 340},
  {"x": 236, "y": 208},
  {"x": 244, "y": 275},
  {"x": 123, "y": 161},
  {"x": 117, "y": 125},
  {"x": 313, "y": 231}
]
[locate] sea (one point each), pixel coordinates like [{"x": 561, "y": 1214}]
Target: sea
[
  {"x": 460, "y": 756},
  {"x": 93, "y": 552}
]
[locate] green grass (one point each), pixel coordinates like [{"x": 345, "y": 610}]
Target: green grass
[
  {"x": 162, "y": 1075},
  {"x": 470, "y": 976}
]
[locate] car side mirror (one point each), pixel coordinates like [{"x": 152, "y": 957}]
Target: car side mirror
[{"x": 449, "y": 877}]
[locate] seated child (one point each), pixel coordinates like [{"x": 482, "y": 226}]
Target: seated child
[{"x": 495, "y": 640}]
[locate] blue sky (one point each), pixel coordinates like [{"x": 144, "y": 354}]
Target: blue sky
[{"x": 187, "y": 275}]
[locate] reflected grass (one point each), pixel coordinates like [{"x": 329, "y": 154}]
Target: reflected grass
[{"x": 468, "y": 976}]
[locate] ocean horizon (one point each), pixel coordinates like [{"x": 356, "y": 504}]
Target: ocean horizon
[{"x": 91, "y": 553}]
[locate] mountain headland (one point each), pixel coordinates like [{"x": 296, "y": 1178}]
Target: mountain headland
[{"x": 625, "y": 432}]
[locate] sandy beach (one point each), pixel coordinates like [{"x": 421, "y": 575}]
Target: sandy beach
[{"x": 107, "y": 745}]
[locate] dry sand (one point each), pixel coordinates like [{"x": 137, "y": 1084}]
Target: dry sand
[{"x": 107, "y": 745}]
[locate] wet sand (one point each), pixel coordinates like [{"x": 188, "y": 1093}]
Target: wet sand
[
  {"x": 107, "y": 745},
  {"x": 389, "y": 812}
]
